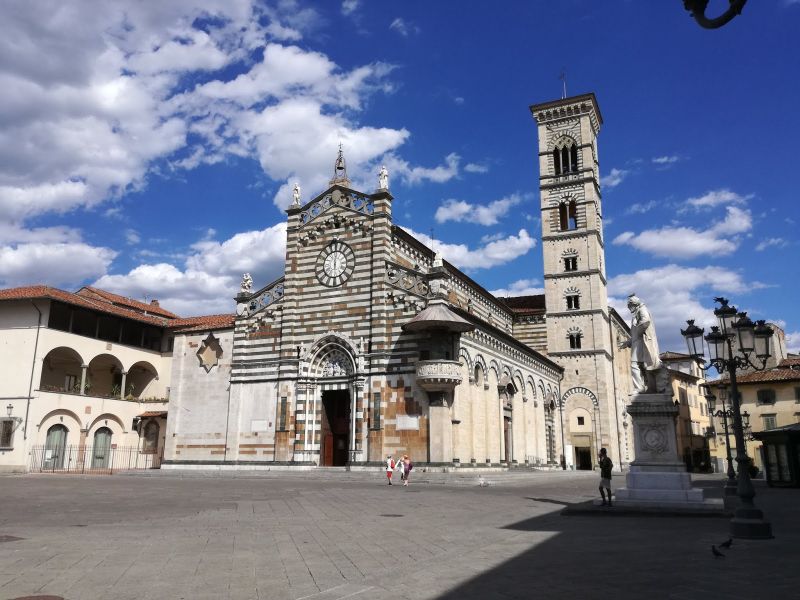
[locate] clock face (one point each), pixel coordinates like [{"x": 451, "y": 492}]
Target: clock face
[{"x": 335, "y": 264}]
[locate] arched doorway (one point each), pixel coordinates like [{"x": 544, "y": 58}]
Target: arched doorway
[
  {"x": 333, "y": 367},
  {"x": 102, "y": 448},
  {"x": 54, "y": 447}
]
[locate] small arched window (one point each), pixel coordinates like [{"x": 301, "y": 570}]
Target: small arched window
[
  {"x": 575, "y": 341},
  {"x": 568, "y": 215}
]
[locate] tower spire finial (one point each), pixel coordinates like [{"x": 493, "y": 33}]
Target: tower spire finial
[{"x": 340, "y": 169}]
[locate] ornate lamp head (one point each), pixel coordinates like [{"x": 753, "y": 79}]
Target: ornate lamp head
[{"x": 694, "y": 339}]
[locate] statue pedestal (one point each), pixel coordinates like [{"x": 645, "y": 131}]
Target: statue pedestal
[{"x": 657, "y": 477}]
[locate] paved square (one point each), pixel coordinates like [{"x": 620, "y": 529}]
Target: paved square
[{"x": 348, "y": 535}]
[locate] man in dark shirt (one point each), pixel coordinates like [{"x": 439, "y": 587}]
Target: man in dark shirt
[{"x": 605, "y": 476}]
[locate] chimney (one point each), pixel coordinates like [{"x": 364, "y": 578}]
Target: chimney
[{"x": 155, "y": 303}]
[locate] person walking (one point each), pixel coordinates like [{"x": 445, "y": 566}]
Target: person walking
[
  {"x": 389, "y": 468},
  {"x": 401, "y": 468},
  {"x": 407, "y": 466},
  {"x": 605, "y": 476}
]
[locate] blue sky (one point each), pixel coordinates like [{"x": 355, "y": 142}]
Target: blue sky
[{"x": 150, "y": 148}]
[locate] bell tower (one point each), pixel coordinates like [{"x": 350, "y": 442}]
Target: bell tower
[{"x": 576, "y": 298}]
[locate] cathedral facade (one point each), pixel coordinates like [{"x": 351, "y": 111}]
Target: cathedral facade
[{"x": 371, "y": 344}]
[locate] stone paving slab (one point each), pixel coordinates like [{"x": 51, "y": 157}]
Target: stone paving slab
[{"x": 171, "y": 537}]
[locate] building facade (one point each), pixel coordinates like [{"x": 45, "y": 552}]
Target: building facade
[{"x": 369, "y": 345}]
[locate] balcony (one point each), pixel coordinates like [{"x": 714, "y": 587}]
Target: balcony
[{"x": 438, "y": 375}]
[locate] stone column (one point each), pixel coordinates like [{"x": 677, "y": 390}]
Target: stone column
[
  {"x": 123, "y": 384},
  {"x": 83, "y": 379},
  {"x": 440, "y": 428}
]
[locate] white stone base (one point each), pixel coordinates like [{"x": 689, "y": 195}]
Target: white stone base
[{"x": 658, "y": 479}]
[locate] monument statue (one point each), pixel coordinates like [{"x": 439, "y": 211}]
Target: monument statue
[
  {"x": 645, "y": 362},
  {"x": 246, "y": 286},
  {"x": 383, "y": 178},
  {"x": 296, "y": 194}
]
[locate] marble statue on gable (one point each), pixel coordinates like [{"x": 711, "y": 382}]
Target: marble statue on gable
[
  {"x": 296, "y": 194},
  {"x": 383, "y": 178},
  {"x": 246, "y": 287},
  {"x": 645, "y": 362}
]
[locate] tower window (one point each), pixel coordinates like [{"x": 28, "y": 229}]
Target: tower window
[
  {"x": 575, "y": 341},
  {"x": 571, "y": 263},
  {"x": 573, "y": 302},
  {"x": 568, "y": 215},
  {"x": 580, "y": 420},
  {"x": 565, "y": 159}
]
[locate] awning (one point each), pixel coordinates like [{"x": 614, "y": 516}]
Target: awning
[{"x": 438, "y": 316}]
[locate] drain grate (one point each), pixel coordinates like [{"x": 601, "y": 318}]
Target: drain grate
[
  {"x": 391, "y": 515},
  {"x": 39, "y": 598},
  {"x": 9, "y": 538}
]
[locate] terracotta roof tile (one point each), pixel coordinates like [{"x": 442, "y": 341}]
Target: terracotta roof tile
[
  {"x": 153, "y": 413},
  {"x": 789, "y": 362},
  {"x": 34, "y": 292},
  {"x": 202, "y": 323},
  {"x": 770, "y": 375},
  {"x": 128, "y": 302}
]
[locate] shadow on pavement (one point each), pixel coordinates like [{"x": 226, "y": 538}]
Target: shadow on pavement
[{"x": 644, "y": 557}]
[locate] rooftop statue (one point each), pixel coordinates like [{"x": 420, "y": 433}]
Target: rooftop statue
[
  {"x": 296, "y": 194},
  {"x": 383, "y": 178}
]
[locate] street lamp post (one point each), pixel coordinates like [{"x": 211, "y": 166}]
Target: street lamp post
[
  {"x": 724, "y": 413},
  {"x": 753, "y": 340}
]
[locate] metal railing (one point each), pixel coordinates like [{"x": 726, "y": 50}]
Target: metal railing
[{"x": 92, "y": 460}]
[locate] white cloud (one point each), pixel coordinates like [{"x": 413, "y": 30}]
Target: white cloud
[
  {"x": 488, "y": 214},
  {"x": 687, "y": 242},
  {"x": 413, "y": 175},
  {"x": 56, "y": 264},
  {"x": 771, "y": 242},
  {"x": 476, "y": 168},
  {"x": 211, "y": 273},
  {"x": 640, "y": 208},
  {"x": 521, "y": 287},
  {"x": 614, "y": 178},
  {"x": 403, "y": 27},
  {"x": 492, "y": 254},
  {"x": 674, "y": 294},
  {"x": 132, "y": 237},
  {"x": 349, "y": 6},
  {"x": 793, "y": 339},
  {"x": 665, "y": 160},
  {"x": 717, "y": 198},
  {"x": 99, "y": 94}
]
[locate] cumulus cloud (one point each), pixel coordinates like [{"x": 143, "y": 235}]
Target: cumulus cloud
[
  {"x": 614, "y": 178},
  {"x": 491, "y": 254},
  {"x": 674, "y": 294},
  {"x": 717, "y": 198},
  {"x": 793, "y": 339},
  {"x": 415, "y": 174},
  {"x": 521, "y": 287},
  {"x": 211, "y": 272},
  {"x": 56, "y": 264},
  {"x": 482, "y": 214},
  {"x": 99, "y": 93},
  {"x": 687, "y": 242}
]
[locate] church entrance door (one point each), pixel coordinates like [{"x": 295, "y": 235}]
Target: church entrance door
[
  {"x": 335, "y": 428},
  {"x": 583, "y": 459}
]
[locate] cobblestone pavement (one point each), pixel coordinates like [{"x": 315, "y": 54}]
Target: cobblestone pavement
[{"x": 326, "y": 536}]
